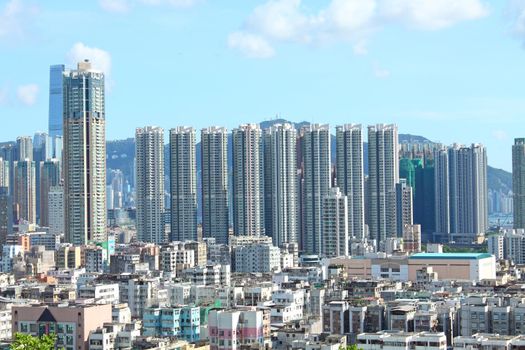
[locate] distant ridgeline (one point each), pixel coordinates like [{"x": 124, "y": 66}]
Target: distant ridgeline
[{"x": 122, "y": 152}]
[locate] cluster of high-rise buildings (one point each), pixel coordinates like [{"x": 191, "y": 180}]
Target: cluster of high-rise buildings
[
  {"x": 281, "y": 237},
  {"x": 282, "y": 182}
]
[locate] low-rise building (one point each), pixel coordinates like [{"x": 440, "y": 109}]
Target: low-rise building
[{"x": 71, "y": 323}]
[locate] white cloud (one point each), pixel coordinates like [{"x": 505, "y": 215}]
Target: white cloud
[
  {"x": 353, "y": 21},
  {"x": 100, "y": 59},
  {"x": 433, "y": 14},
  {"x": 381, "y": 73},
  {"x": 116, "y": 6},
  {"x": 250, "y": 45},
  {"x": 360, "y": 48},
  {"x": 123, "y": 6},
  {"x": 15, "y": 17},
  {"x": 4, "y": 97},
  {"x": 500, "y": 135},
  {"x": 516, "y": 13},
  {"x": 349, "y": 16},
  {"x": 174, "y": 3},
  {"x": 280, "y": 19},
  {"x": 27, "y": 94}
]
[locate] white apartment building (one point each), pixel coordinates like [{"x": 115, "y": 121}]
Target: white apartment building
[
  {"x": 385, "y": 340},
  {"x": 101, "y": 293},
  {"x": 257, "y": 258}
]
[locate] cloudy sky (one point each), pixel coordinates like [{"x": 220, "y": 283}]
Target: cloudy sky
[{"x": 451, "y": 70}]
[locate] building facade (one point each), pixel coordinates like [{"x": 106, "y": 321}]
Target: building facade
[
  {"x": 56, "y": 99},
  {"x": 404, "y": 206},
  {"x": 383, "y": 174},
  {"x": 461, "y": 192},
  {"x": 84, "y": 155},
  {"x": 214, "y": 170},
  {"x": 335, "y": 224},
  {"x": 49, "y": 177},
  {"x": 248, "y": 197},
  {"x": 183, "y": 184},
  {"x": 25, "y": 191},
  {"x": 350, "y": 176},
  {"x": 315, "y": 143},
  {"x": 149, "y": 160},
  {"x": 281, "y": 192},
  {"x": 518, "y": 182}
]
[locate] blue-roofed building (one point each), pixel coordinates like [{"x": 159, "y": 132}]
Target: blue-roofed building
[{"x": 454, "y": 266}]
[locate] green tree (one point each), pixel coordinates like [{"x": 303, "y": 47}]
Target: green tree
[
  {"x": 349, "y": 347},
  {"x": 28, "y": 342}
]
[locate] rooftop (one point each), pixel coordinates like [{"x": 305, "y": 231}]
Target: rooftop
[{"x": 460, "y": 256}]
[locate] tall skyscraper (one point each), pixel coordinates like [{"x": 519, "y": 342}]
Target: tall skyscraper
[
  {"x": 49, "y": 177},
  {"x": 335, "y": 224},
  {"x": 183, "y": 184},
  {"x": 42, "y": 147},
  {"x": 214, "y": 170},
  {"x": 9, "y": 154},
  {"x": 55, "y": 216},
  {"x": 442, "y": 199},
  {"x": 407, "y": 170},
  {"x": 25, "y": 190},
  {"x": 4, "y": 173},
  {"x": 56, "y": 99},
  {"x": 6, "y": 214},
  {"x": 84, "y": 155},
  {"x": 350, "y": 176},
  {"x": 465, "y": 169},
  {"x": 24, "y": 146},
  {"x": 149, "y": 155},
  {"x": 316, "y": 183},
  {"x": 42, "y": 151},
  {"x": 57, "y": 147},
  {"x": 404, "y": 206},
  {"x": 383, "y": 174},
  {"x": 425, "y": 198},
  {"x": 280, "y": 169},
  {"x": 472, "y": 211},
  {"x": 518, "y": 182},
  {"x": 248, "y": 200}
]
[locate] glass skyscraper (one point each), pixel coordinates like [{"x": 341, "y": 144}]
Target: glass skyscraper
[{"x": 56, "y": 100}]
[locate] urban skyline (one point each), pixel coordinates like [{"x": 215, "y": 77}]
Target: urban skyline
[
  {"x": 271, "y": 197},
  {"x": 414, "y": 89}
]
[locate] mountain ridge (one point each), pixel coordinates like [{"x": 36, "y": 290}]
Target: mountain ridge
[{"x": 120, "y": 154}]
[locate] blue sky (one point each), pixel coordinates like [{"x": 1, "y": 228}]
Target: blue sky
[{"x": 450, "y": 70}]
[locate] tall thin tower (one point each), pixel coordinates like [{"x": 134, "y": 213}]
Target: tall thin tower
[
  {"x": 56, "y": 100},
  {"x": 442, "y": 199},
  {"x": 350, "y": 176},
  {"x": 49, "y": 177},
  {"x": 24, "y": 146},
  {"x": 518, "y": 182},
  {"x": 149, "y": 155},
  {"x": 248, "y": 201},
  {"x": 316, "y": 183},
  {"x": 84, "y": 155},
  {"x": 214, "y": 168},
  {"x": 25, "y": 190},
  {"x": 383, "y": 174},
  {"x": 183, "y": 184},
  {"x": 281, "y": 168}
]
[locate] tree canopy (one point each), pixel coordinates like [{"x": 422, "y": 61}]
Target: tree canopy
[{"x": 28, "y": 342}]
